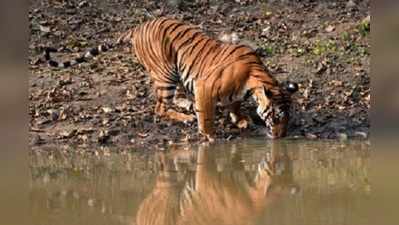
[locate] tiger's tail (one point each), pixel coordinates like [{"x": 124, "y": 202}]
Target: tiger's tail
[{"x": 91, "y": 53}]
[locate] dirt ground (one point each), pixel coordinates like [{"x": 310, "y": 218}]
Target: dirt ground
[{"x": 324, "y": 46}]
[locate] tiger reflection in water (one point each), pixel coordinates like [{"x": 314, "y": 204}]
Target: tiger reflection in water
[{"x": 213, "y": 193}]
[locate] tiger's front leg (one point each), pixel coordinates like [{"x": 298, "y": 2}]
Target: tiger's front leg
[
  {"x": 205, "y": 104},
  {"x": 164, "y": 101},
  {"x": 241, "y": 121}
]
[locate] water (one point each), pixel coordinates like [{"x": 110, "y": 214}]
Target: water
[{"x": 248, "y": 183}]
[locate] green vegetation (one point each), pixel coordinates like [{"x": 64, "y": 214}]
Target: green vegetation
[
  {"x": 364, "y": 27},
  {"x": 324, "y": 46}
]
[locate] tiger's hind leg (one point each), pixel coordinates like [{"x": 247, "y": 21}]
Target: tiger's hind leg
[
  {"x": 165, "y": 96},
  {"x": 241, "y": 121}
]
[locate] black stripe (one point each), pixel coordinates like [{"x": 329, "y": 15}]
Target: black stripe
[
  {"x": 186, "y": 77},
  {"x": 169, "y": 88},
  {"x": 170, "y": 78},
  {"x": 177, "y": 37},
  {"x": 146, "y": 36},
  {"x": 196, "y": 56},
  {"x": 234, "y": 50},
  {"x": 207, "y": 53},
  {"x": 249, "y": 93},
  {"x": 200, "y": 51},
  {"x": 175, "y": 28},
  {"x": 170, "y": 42},
  {"x": 247, "y": 54},
  {"x": 192, "y": 87},
  {"x": 265, "y": 110},
  {"x": 220, "y": 52},
  {"x": 164, "y": 21},
  {"x": 175, "y": 75},
  {"x": 167, "y": 97},
  {"x": 265, "y": 81},
  {"x": 174, "y": 25},
  {"x": 190, "y": 39},
  {"x": 187, "y": 41},
  {"x": 257, "y": 65},
  {"x": 161, "y": 35},
  {"x": 181, "y": 34},
  {"x": 231, "y": 96}
]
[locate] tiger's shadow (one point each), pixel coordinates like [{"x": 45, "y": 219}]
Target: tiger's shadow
[{"x": 198, "y": 187}]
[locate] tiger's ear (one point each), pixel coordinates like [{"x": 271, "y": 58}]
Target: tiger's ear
[{"x": 291, "y": 87}]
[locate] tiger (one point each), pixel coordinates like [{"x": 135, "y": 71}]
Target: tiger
[
  {"x": 193, "y": 187},
  {"x": 212, "y": 72}
]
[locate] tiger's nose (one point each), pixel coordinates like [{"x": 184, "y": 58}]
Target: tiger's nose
[{"x": 275, "y": 134}]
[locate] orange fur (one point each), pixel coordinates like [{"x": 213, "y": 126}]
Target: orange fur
[
  {"x": 212, "y": 71},
  {"x": 215, "y": 192}
]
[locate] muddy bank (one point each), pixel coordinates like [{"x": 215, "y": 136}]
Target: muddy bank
[{"x": 323, "y": 46}]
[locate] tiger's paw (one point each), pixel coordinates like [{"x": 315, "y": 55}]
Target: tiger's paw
[
  {"x": 208, "y": 139},
  {"x": 182, "y": 117},
  {"x": 242, "y": 122},
  {"x": 188, "y": 118}
]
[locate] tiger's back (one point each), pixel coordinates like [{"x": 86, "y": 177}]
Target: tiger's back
[{"x": 175, "y": 51}]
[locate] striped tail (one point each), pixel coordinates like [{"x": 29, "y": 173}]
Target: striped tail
[
  {"x": 125, "y": 37},
  {"x": 84, "y": 58}
]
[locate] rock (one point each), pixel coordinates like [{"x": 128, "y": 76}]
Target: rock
[
  {"x": 91, "y": 202},
  {"x": 107, "y": 109},
  {"x": 350, "y": 4},
  {"x": 310, "y": 136},
  {"x": 330, "y": 28},
  {"x": 54, "y": 115},
  {"x": 67, "y": 133},
  {"x": 229, "y": 37},
  {"x": 321, "y": 68},
  {"x": 361, "y": 134},
  {"x": 37, "y": 140},
  {"x": 342, "y": 136},
  {"x": 44, "y": 29},
  {"x": 83, "y": 4}
]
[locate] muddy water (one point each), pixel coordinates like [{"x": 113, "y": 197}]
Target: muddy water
[{"x": 249, "y": 183}]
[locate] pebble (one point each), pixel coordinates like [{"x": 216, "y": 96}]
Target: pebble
[
  {"x": 342, "y": 136},
  {"x": 350, "y": 4},
  {"x": 330, "y": 28},
  {"x": 91, "y": 202},
  {"x": 361, "y": 134},
  {"x": 37, "y": 140},
  {"x": 310, "y": 136}
]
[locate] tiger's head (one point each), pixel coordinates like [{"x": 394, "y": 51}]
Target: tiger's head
[{"x": 274, "y": 106}]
